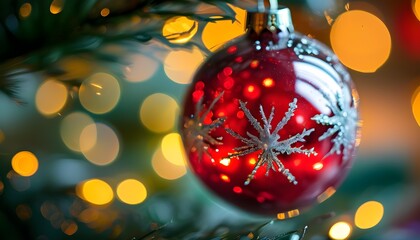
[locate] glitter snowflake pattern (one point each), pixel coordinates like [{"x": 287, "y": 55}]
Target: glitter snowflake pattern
[
  {"x": 269, "y": 142},
  {"x": 343, "y": 123},
  {"x": 198, "y": 138},
  {"x": 303, "y": 47}
]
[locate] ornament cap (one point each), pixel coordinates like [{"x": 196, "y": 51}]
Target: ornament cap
[{"x": 278, "y": 18}]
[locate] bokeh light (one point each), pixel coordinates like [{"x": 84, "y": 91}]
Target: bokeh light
[
  {"x": 159, "y": 112},
  {"x": 415, "y": 105},
  {"x": 369, "y": 215},
  {"x": 95, "y": 191},
  {"x": 105, "y": 12},
  {"x": 51, "y": 97},
  {"x": 69, "y": 227},
  {"x": 360, "y": 40},
  {"x": 99, "y": 93},
  {"x": 75, "y": 67},
  {"x": 71, "y": 127},
  {"x": 25, "y": 10},
  {"x": 173, "y": 150},
  {"x": 340, "y": 231},
  {"x": 180, "y": 65},
  {"x": 25, "y": 163},
  {"x": 24, "y": 212},
  {"x": 179, "y": 29},
  {"x": 99, "y": 144},
  {"x": 141, "y": 68},
  {"x": 215, "y": 34},
  {"x": 416, "y": 8},
  {"x": 56, "y": 6},
  {"x": 166, "y": 169},
  {"x": 131, "y": 191}
]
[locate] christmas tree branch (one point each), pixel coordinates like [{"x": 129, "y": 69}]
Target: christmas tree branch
[{"x": 78, "y": 28}]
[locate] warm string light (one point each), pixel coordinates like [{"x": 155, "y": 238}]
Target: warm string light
[
  {"x": 95, "y": 191},
  {"x": 176, "y": 68},
  {"x": 179, "y": 30},
  {"x": 25, "y": 10},
  {"x": 25, "y": 163},
  {"x": 51, "y": 97},
  {"x": 131, "y": 191},
  {"x": 415, "y": 105},
  {"x": 141, "y": 69},
  {"x": 99, "y": 93},
  {"x": 340, "y": 231},
  {"x": 369, "y": 214},
  {"x": 165, "y": 168},
  {"x": 24, "y": 212},
  {"x": 99, "y": 144},
  {"x": 105, "y": 12},
  {"x": 71, "y": 128},
  {"x": 416, "y": 8},
  {"x": 159, "y": 112},
  {"x": 361, "y": 40},
  {"x": 173, "y": 150},
  {"x": 215, "y": 34},
  {"x": 56, "y": 6}
]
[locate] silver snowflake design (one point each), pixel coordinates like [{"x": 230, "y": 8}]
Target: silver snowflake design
[
  {"x": 269, "y": 142},
  {"x": 197, "y": 133},
  {"x": 303, "y": 47},
  {"x": 343, "y": 123}
]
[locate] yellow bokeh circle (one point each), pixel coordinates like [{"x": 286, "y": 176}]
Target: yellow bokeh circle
[
  {"x": 179, "y": 29},
  {"x": 415, "y": 105},
  {"x": 25, "y": 163},
  {"x": 166, "y": 169},
  {"x": 369, "y": 215},
  {"x": 131, "y": 191},
  {"x": 71, "y": 127},
  {"x": 99, "y": 93},
  {"x": 56, "y": 6},
  {"x": 141, "y": 68},
  {"x": 51, "y": 97},
  {"x": 416, "y": 8},
  {"x": 159, "y": 112},
  {"x": 173, "y": 150},
  {"x": 180, "y": 65},
  {"x": 25, "y": 10},
  {"x": 340, "y": 231},
  {"x": 99, "y": 144},
  {"x": 217, "y": 33},
  {"x": 361, "y": 40},
  {"x": 96, "y": 191}
]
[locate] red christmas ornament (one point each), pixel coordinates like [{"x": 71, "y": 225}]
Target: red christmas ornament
[{"x": 270, "y": 121}]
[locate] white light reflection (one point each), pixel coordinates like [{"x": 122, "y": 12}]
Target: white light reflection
[
  {"x": 308, "y": 92},
  {"x": 318, "y": 79}
]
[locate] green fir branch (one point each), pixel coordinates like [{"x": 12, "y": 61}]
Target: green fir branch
[{"x": 37, "y": 42}]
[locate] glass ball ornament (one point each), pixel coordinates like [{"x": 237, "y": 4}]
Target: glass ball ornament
[{"x": 270, "y": 122}]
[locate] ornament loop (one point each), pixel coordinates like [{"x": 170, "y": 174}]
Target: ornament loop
[{"x": 272, "y": 3}]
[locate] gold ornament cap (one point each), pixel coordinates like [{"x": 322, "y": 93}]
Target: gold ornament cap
[{"x": 273, "y": 17}]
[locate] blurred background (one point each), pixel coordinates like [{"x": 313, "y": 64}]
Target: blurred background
[{"x": 89, "y": 145}]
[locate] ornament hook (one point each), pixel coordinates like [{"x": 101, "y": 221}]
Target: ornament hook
[{"x": 269, "y": 14}]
